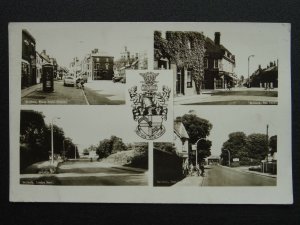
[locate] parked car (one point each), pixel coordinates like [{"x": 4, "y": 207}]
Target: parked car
[
  {"x": 120, "y": 77},
  {"x": 69, "y": 81}
]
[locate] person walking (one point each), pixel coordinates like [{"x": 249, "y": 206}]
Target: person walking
[{"x": 202, "y": 169}]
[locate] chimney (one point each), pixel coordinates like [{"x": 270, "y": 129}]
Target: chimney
[
  {"x": 44, "y": 52},
  {"x": 259, "y": 67},
  {"x": 125, "y": 48},
  {"x": 217, "y": 38},
  {"x": 136, "y": 55}
]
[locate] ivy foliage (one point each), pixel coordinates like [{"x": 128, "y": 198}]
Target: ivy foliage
[{"x": 185, "y": 49}]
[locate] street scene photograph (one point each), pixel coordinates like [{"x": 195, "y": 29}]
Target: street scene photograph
[
  {"x": 221, "y": 65},
  {"x": 225, "y": 147},
  {"x": 57, "y": 147},
  {"x": 79, "y": 63}
]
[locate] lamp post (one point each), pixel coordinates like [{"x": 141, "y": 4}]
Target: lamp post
[
  {"x": 197, "y": 149},
  {"x": 248, "y": 69},
  {"x": 228, "y": 156},
  {"x": 52, "y": 151},
  {"x": 75, "y": 157}
]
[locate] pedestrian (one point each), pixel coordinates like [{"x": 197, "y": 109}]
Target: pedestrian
[
  {"x": 202, "y": 169},
  {"x": 191, "y": 169},
  {"x": 197, "y": 169}
]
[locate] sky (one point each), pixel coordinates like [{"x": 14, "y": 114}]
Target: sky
[
  {"x": 64, "y": 41},
  {"x": 242, "y": 40},
  {"x": 86, "y": 125},
  {"x": 225, "y": 120}
]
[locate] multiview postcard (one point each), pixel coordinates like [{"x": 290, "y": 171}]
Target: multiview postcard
[{"x": 184, "y": 112}]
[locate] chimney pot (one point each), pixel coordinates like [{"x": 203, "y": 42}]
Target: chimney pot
[{"x": 217, "y": 38}]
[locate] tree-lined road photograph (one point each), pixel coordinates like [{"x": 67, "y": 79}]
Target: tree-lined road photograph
[{"x": 54, "y": 151}]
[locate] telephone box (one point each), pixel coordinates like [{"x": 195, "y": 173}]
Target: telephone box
[{"x": 47, "y": 76}]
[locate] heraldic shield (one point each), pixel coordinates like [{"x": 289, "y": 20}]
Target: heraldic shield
[{"x": 149, "y": 107}]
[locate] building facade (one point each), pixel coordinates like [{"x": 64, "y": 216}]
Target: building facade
[
  {"x": 197, "y": 62},
  {"x": 28, "y": 64},
  {"x": 102, "y": 66},
  {"x": 182, "y": 52},
  {"x": 265, "y": 78},
  {"x": 181, "y": 139},
  {"x": 219, "y": 64}
]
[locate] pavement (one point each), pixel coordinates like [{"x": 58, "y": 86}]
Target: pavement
[
  {"x": 245, "y": 169},
  {"x": 207, "y": 97},
  {"x": 37, "y": 167},
  {"x": 29, "y": 90},
  {"x": 228, "y": 176},
  {"x": 190, "y": 181}
]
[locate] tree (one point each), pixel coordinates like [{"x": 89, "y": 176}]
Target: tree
[
  {"x": 198, "y": 128},
  {"x": 273, "y": 144},
  {"x": 32, "y": 138},
  {"x": 257, "y": 146},
  {"x": 117, "y": 144},
  {"x": 236, "y": 145},
  {"x": 104, "y": 149}
]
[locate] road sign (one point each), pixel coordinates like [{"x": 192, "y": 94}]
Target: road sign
[
  {"x": 235, "y": 159},
  {"x": 194, "y": 147}
]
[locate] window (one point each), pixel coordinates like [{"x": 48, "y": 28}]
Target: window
[
  {"x": 189, "y": 82},
  {"x": 106, "y": 66},
  {"x": 189, "y": 44},
  {"x": 216, "y": 63},
  {"x": 205, "y": 63},
  {"x": 98, "y": 66},
  {"x": 106, "y": 59},
  {"x": 97, "y": 59},
  {"x": 95, "y": 66}
]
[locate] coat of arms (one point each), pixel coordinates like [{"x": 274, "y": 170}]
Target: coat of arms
[{"x": 149, "y": 107}]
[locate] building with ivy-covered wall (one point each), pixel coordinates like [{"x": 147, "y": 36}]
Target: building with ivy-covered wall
[
  {"x": 197, "y": 61},
  {"x": 182, "y": 52}
]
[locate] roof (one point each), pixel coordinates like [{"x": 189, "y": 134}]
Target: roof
[
  {"x": 180, "y": 130},
  {"x": 102, "y": 54},
  {"x": 212, "y": 48}
]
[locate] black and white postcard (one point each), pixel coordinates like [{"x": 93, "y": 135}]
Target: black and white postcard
[{"x": 130, "y": 112}]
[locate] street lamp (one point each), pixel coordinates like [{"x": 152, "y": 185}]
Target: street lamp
[
  {"x": 52, "y": 151},
  {"x": 197, "y": 149},
  {"x": 228, "y": 156},
  {"x": 75, "y": 150},
  {"x": 248, "y": 69}
]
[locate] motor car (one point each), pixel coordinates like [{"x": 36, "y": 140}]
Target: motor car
[
  {"x": 117, "y": 78},
  {"x": 69, "y": 81}
]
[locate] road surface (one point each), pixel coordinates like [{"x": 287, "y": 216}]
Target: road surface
[
  {"x": 94, "y": 93},
  {"x": 224, "y": 176},
  {"x": 89, "y": 173}
]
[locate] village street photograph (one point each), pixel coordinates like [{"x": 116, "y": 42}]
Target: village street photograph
[
  {"x": 227, "y": 64},
  {"x": 225, "y": 147},
  {"x": 57, "y": 147},
  {"x": 78, "y": 64}
]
